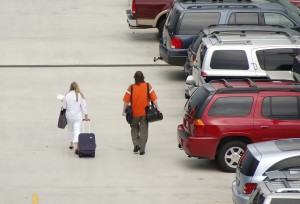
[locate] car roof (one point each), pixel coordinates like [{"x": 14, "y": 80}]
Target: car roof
[
  {"x": 248, "y": 85},
  {"x": 252, "y": 38},
  {"x": 194, "y": 6},
  {"x": 246, "y": 28},
  {"x": 290, "y": 147}
]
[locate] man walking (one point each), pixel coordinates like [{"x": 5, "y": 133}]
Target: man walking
[{"x": 139, "y": 96}]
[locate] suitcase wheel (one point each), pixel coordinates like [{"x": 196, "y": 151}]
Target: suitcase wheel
[{"x": 80, "y": 155}]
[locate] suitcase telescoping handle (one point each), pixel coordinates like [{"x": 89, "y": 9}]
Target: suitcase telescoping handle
[{"x": 83, "y": 124}]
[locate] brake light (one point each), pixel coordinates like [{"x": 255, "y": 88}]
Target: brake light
[
  {"x": 203, "y": 74},
  {"x": 198, "y": 128},
  {"x": 249, "y": 187},
  {"x": 133, "y": 6},
  {"x": 176, "y": 43}
]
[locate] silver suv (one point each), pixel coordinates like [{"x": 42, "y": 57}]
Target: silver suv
[
  {"x": 260, "y": 158},
  {"x": 240, "y": 54},
  {"x": 279, "y": 187}
]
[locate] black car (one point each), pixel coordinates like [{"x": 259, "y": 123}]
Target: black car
[{"x": 186, "y": 19}]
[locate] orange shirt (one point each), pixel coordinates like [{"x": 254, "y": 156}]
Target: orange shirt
[{"x": 139, "y": 98}]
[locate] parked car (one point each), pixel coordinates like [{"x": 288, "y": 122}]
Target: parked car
[
  {"x": 223, "y": 116},
  {"x": 144, "y": 14},
  {"x": 263, "y": 157},
  {"x": 186, "y": 19},
  {"x": 218, "y": 29},
  {"x": 278, "y": 187},
  {"x": 240, "y": 54}
]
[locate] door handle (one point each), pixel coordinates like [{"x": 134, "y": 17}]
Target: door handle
[{"x": 264, "y": 127}]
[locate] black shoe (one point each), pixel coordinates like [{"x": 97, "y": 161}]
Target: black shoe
[
  {"x": 76, "y": 151},
  {"x": 136, "y": 149},
  {"x": 142, "y": 152},
  {"x": 70, "y": 147}
]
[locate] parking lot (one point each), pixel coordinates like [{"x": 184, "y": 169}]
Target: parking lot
[{"x": 48, "y": 44}]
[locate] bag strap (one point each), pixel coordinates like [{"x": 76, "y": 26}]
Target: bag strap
[
  {"x": 148, "y": 94},
  {"x": 131, "y": 92}
]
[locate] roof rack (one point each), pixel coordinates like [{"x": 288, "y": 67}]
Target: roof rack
[
  {"x": 253, "y": 87},
  {"x": 245, "y": 42},
  {"x": 218, "y": 6},
  {"x": 228, "y": 85},
  {"x": 221, "y": 1},
  {"x": 292, "y": 38}
]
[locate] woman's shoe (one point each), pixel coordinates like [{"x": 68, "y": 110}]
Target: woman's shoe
[
  {"x": 76, "y": 151},
  {"x": 70, "y": 147}
]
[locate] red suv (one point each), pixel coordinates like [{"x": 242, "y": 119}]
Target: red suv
[{"x": 223, "y": 116}]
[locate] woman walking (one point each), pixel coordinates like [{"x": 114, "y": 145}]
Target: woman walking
[{"x": 76, "y": 109}]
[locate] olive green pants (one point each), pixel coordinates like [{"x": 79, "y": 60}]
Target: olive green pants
[{"x": 139, "y": 132}]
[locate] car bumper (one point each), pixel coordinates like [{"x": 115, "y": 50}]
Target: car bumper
[
  {"x": 237, "y": 197},
  {"x": 172, "y": 57},
  {"x": 201, "y": 147},
  {"x": 130, "y": 20}
]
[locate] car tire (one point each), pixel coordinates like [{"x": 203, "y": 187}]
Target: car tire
[
  {"x": 229, "y": 155},
  {"x": 160, "y": 27}
]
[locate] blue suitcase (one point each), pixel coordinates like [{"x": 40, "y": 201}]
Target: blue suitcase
[{"x": 86, "y": 143}]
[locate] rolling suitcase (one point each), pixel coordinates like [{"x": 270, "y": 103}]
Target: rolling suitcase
[{"x": 86, "y": 143}]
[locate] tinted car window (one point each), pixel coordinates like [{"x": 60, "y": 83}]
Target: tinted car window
[
  {"x": 281, "y": 107},
  {"x": 276, "y": 59},
  {"x": 229, "y": 59},
  {"x": 278, "y": 19},
  {"x": 231, "y": 106},
  {"x": 243, "y": 18},
  {"x": 285, "y": 201},
  {"x": 247, "y": 164},
  {"x": 192, "y": 22},
  {"x": 293, "y": 162},
  {"x": 197, "y": 102}
]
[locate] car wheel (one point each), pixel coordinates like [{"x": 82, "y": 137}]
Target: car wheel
[
  {"x": 160, "y": 27},
  {"x": 230, "y": 154}
]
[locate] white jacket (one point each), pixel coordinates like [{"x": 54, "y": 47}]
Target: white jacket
[{"x": 75, "y": 109}]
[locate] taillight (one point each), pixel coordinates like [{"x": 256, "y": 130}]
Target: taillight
[
  {"x": 203, "y": 74},
  {"x": 133, "y": 6},
  {"x": 198, "y": 128},
  {"x": 176, "y": 43},
  {"x": 249, "y": 187}
]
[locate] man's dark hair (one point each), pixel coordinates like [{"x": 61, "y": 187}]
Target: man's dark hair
[{"x": 139, "y": 77}]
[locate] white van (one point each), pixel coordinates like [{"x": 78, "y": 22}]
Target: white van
[{"x": 251, "y": 54}]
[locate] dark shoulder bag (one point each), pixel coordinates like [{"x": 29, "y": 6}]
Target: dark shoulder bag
[
  {"x": 152, "y": 114},
  {"x": 62, "y": 120},
  {"x": 128, "y": 110}
]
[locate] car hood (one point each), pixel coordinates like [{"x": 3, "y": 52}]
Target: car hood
[{"x": 288, "y": 75}]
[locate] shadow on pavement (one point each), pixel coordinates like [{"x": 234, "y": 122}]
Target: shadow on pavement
[
  {"x": 175, "y": 75},
  {"x": 200, "y": 164}
]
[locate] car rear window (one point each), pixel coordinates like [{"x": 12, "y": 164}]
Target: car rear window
[
  {"x": 198, "y": 102},
  {"x": 229, "y": 59},
  {"x": 248, "y": 164},
  {"x": 277, "y": 59},
  {"x": 281, "y": 107},
  {"x": 285, "y": 164},
  {"x": 231, "y": 106},
  {"x": 192, "y": 23},
  {"x": 285, "y": 201},
  {"x": 244, "y": 18}
]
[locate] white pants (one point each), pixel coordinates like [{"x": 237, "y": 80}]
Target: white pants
[{"x": 74, "y": 127}]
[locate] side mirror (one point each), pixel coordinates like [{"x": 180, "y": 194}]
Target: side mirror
[{"x": 190, "y": 80}]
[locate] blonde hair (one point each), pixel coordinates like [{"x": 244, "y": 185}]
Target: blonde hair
[{"x": 74, "y": 87}]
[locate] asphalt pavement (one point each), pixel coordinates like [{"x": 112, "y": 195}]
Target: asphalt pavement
[{"x": 45, "y": 45}]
